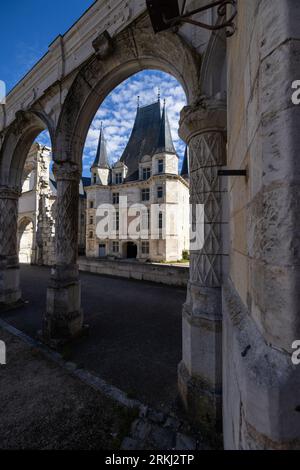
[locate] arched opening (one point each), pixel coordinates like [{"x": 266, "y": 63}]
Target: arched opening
[
  {"x": 96, "y": 79},
  {"x": 133, "y": 138},
  {"x": 20, "y": 165},
  {"x": 156, "y": 175},
  {"x": 26, "y": 240},
  {"x": 38, "y": 199}
]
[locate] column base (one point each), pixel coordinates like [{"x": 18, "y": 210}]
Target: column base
[
  {"x": 63, "y": 320},
  {"x": 10, "y": 292},
  {"x": 202, "y": 404}
]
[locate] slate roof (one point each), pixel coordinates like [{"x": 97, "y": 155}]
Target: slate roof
[
  {"x": 101, "y": 159},
  {"x": 185, "y": 164},
  {"x": 150, "y": 134},
  {"x": 165, "y": 141}
]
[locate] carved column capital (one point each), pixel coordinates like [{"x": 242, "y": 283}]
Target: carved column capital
[
  {"x": 9, "y": 193},
  {"x": 66, "y": 171},
  {"x": 208, "y": 115}
]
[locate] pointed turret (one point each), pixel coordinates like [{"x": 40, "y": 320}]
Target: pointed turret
[
  {"x": 100, "y": 170},
  {"x": 165, "y": 141},
  {"x": 101, "y": 159},
  {"x": 185, "y": 165}
]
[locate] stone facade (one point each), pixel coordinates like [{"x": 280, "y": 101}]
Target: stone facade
[
  {"x": 146, "y": 174},
  {"x": 37, "y": 210}
]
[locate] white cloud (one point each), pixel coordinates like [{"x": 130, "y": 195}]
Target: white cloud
[{"x": 118, "y": 110}]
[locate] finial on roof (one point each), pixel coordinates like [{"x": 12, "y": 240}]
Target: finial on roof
[
  {"x": 101, "y": 126},
  {"x": 138, "y": 101},
  {"x": 164, "y": 102},
  {"x": 158, "y": 94}
]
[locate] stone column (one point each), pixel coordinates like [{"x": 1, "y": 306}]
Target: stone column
[
  {"x": 9, "y": 261},
  {"x": 203, "y": 128},
  {"x": 64, "y": 318}
]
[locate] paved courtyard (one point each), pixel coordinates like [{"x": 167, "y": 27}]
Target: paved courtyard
[
  {"x": 134, "y": 339},
  {"x": 45, "y": 407}
]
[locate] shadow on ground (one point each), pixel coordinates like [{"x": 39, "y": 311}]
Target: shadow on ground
[{"x": 134, "y": 339}]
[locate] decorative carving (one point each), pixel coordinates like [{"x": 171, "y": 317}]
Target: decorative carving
[
  {"x": 67, "y": 177},
  {"x": 66, "y": 171},
  {"x": 205, "y": 269},
  {"x": 8, "y": 222},
  {"x": 103, "y": 45},
  {"x": 203, "y": 128},
  {"x": 207, "y": 150}
]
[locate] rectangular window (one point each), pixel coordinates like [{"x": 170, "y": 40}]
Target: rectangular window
[
  {"x": 91, "y": 235},
  {"x": 146, "y": 173},
  {"x": 146, "y": 194},
  {"x": 91, "y": 220},
  {"x": 160, "y": 220},
  {"x": 115, "y": 198},
  {"x": 115, "y": 247},
  {"x": 95, "y": 179},
  {"x": 116, "y": 220},
  {"x": 146, "y": 219},
  {"x": 119, "y": 178},
  {"x": 160, "y": 166},
  {"x": 145, "y": 248},
  {"x": 91, "y": 204},
  {"x": 160, "y": 192}
]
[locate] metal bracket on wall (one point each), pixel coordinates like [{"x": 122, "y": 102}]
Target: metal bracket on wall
[
  {"x": 167, "y": 14},
  {"x": 232, "y": 173}
]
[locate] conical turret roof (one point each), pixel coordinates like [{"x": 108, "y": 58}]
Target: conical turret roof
[
  {"x": 101, "y": 159},
  {"x": 165, "y": 141}
]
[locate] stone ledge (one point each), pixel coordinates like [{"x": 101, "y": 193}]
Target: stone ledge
[{"x": 153, "y": 272}]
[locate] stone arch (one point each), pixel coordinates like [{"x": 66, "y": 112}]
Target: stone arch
[
  {"x": 135, "y": 49},
  {"x": 26, "y": 236},
  {"x": 16, "y": 144}
]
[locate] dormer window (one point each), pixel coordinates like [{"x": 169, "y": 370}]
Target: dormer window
[
  {"x": 160, "y": 166},
  {"x": 119, "y": 178},
  {"x": 146, "y": 173}
]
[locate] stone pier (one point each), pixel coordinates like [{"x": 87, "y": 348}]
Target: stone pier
[
  {"x": 64, "y": 318},
  {"x": 200, "y": 371},
  {"x": 9, "y": 262}
]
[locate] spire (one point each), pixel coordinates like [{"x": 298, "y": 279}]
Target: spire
[
  {"x": 165, "y": 141},
  {"x": 185, "y": 164},
  {"x": 101, "y": 159}
]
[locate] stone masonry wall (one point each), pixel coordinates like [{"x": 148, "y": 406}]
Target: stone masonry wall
[
  {"x": 262, "y": 296},
  {"x": 164, "y": 274}
]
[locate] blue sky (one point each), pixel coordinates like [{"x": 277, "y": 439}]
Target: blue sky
[
  {"x": 118, "y": 111},
  {"x": 27, "y": 29}
]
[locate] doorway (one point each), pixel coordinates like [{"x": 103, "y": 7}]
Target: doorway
[{"x": 131, "y": 250}]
